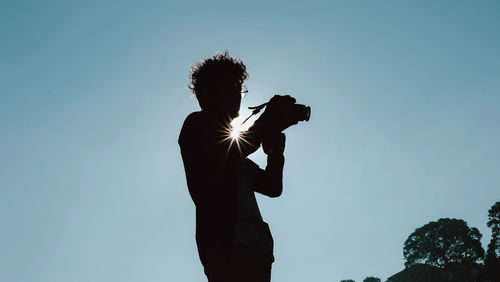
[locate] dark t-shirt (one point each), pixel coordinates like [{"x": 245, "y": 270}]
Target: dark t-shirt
[{"x": 221, "y": 181}]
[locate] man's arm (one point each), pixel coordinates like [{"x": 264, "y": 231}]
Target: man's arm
[{"x": 269, "y": 182}]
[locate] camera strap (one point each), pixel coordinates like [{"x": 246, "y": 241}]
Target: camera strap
[{"x": 255, "y": 111}]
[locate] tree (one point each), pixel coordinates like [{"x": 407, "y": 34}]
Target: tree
[
  {"x": 348, "y": 280},
  {"x": 442, "y": 242},
  {"x": 371, "y": 279},
  {"x": 493, "y": 252},
  {"x": 492, "y": 261}
]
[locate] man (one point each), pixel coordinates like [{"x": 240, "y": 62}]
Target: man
[{"x": 234, "y": 243}]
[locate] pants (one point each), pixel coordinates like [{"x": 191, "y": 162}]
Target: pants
[{"x": 246, "y": 263}]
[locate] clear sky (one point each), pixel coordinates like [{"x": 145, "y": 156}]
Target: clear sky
[{"x": 405, "y": 129}]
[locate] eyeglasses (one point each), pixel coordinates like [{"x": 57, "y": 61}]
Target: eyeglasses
[{"x": 244, "y": 91}]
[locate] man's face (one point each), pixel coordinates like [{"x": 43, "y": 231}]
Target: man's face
[{"x": 230, "y": 99}]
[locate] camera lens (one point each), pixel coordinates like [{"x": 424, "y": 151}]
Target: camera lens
[
  {"x": 302, "y": 112},
  {"x": 308, "y": 113}
]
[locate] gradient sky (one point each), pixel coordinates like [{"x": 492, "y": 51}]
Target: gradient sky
[{"x": 405, "y": 129}]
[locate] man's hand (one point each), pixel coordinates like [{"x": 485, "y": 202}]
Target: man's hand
[
  {"x": 276, "y": 117},
  {"x": 274, "y": 143}
]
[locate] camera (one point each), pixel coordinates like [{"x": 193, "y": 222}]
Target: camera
[
  {"x": 286, "y": 108},
  {"x": 300, "y": 112}
]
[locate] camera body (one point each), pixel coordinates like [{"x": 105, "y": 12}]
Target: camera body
[
  {"x": 281, "y": 112},
  {"x": 284, "y": 109}
]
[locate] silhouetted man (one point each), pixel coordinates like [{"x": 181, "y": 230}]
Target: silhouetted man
[{"x": 234, "y": 243}]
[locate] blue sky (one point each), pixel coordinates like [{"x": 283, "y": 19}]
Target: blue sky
[{"x": 404, "y": 130}]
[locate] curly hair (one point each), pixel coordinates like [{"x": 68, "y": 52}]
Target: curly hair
[{"x": 206, "y": 76}]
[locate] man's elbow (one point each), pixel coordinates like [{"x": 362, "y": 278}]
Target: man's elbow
[
  {"x": 275, "y": 195},
  {"x": 276, "y": 191}
]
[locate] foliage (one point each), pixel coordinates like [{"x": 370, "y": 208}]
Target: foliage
[
  {"x": 371, "y": 279},
  {"x": 494, "y": 223},
  {"x": 493, "y": 253},
  {"x": 443, "y": 242},
  {"x": 348, "y": 280}
]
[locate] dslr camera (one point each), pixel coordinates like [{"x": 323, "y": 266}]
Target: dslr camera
[{"x": 282, "y": 110}]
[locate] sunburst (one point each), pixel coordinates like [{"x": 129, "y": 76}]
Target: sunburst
[{"x": 234, "y": 133}]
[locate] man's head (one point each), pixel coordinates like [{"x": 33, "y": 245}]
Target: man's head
[{"x": 217, "y": 82}]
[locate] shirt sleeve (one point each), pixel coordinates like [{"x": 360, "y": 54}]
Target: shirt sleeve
[{"x": 268, "y": 182}]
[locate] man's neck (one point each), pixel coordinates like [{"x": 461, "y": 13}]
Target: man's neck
[{"x": 218, "y": 115}]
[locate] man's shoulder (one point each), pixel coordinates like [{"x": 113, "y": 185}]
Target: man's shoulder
[
  {"x": 192, "y": 123},
  {"x": 194, "y": 120},
  {"x": 193, "y": 116}
]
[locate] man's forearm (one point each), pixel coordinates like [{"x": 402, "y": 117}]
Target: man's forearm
[{"x": 274, "y": 173}]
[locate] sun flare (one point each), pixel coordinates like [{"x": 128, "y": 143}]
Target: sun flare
[
  {"x": 236, "y": 126},
  {"x": 235, "y": 132}
]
